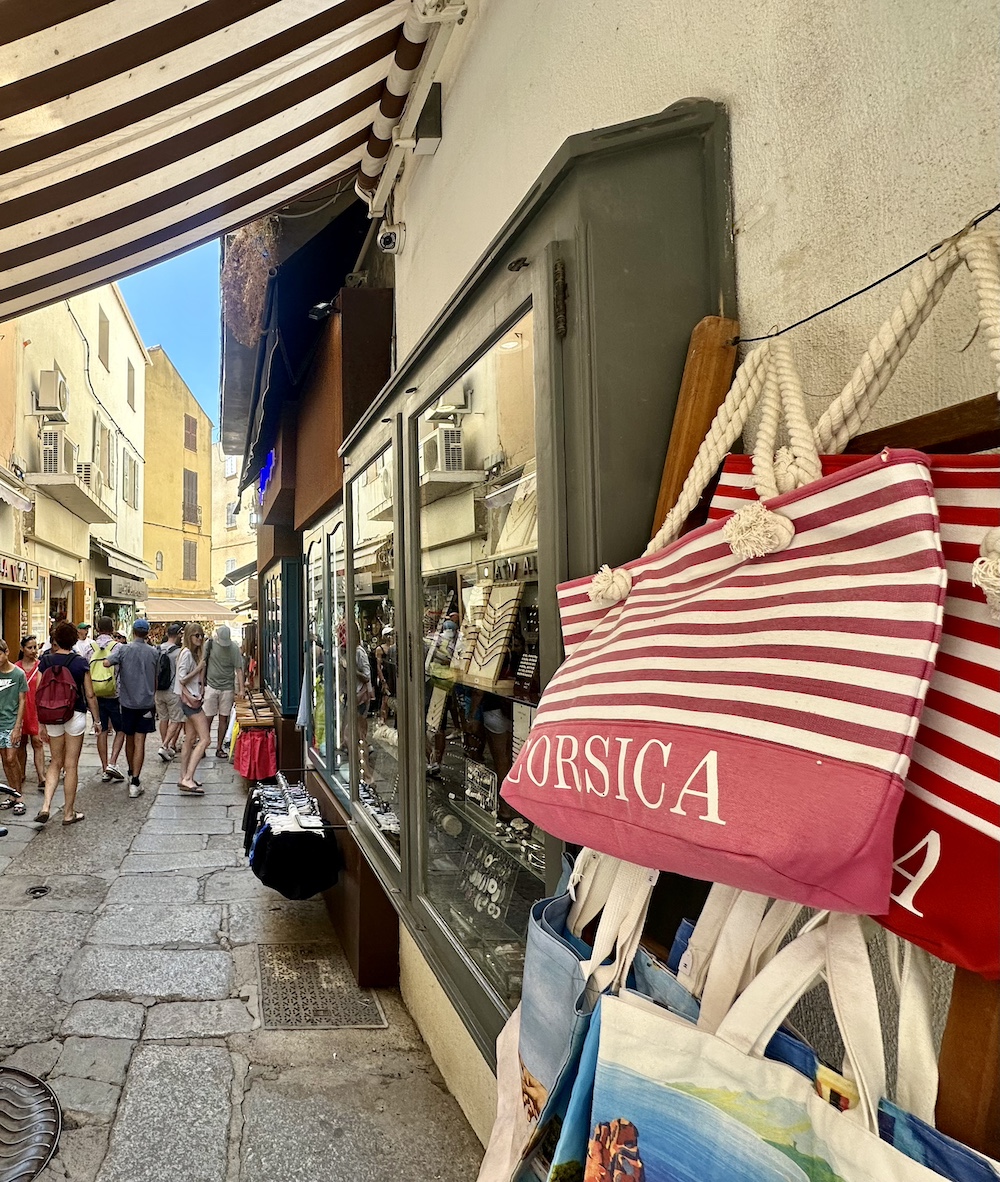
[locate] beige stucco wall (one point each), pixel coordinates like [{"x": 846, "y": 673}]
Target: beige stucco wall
[
  {"x": 168, "y": 400},
  {"x": 464, "y": 1069},
  {"x": 862, "y": 133}
]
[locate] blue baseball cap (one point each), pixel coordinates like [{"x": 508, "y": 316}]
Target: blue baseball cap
[{"x": 141, "y": 626}]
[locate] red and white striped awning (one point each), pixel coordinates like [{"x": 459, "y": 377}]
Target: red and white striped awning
[{"x": 131, "y": 130}]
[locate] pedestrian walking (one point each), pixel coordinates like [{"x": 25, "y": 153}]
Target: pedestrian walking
[
  {"x": 105, "y": 683},
  {"x": 168, "y": 704},
  {"x": 190, "y": 688},
  {"x": 13, "y": 695},
  {"x": 27, "y": 662},
  {"x": 223, "y": 683},
  {"x": 137, "y": 663},
  {"x": 64, "y": 695},
  {"x": 83, "y": 643}
]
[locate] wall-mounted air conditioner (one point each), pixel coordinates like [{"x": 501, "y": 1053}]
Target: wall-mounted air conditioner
[
  {"x": 52, "y": 398},
  {"x": 92, "y": 477},
  {"x": 58, "y": 452},
  {"x": 442, "y": 451}
]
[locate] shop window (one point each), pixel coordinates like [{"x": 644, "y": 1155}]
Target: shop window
[
  {"x": 371, "y": 636},
  {"x": 103, "y": 338},
  {"x": 130, "y": 383},
  {"x": 336, "y": 701},
  {"x": 478, "y": 565},
  {"x": 281, "y": 633},
  {"x": 190, "y": 560},
  {"x": 190, "y": 509},
  {"x": 190, "y": 433},
  {"x": 159, "y": 560}
]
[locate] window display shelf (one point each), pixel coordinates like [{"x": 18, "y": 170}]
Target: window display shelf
[{"x": 483, "y": 824}]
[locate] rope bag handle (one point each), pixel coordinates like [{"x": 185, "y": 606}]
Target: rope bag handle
[{"x": 980, "y": 250}]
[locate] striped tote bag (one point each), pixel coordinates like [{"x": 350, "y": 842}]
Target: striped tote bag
[{"x": 744, "y": 712}]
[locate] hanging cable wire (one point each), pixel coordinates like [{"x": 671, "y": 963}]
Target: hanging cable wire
[{"x": 970, "y": 225}]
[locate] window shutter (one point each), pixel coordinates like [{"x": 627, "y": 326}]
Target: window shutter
[
  {"x": 113, "y": 463},
  {"x": 97, "y": 440}
]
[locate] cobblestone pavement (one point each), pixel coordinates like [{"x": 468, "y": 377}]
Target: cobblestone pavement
[{"x": 131, "y": 986}]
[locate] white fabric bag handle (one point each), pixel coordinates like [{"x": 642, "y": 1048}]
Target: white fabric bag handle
[
  {"x": 837, "y": 950},
  {"x": 694, "y": 963},
  {"x": 917, "y": 1068},
  {"x": 620, "y": 928},
  {"x": 978, "y": 248},
  {"x": 590, "y": 886}
]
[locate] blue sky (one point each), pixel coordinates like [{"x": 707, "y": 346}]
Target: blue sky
[{"x": 176, "y": 304}]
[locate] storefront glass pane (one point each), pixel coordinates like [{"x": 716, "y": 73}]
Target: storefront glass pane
[
  {"x": 316, "y": 626},
  {"x": 478, "y": 539},
  {"x": 338, "y": 761},
  {"x": 373, "y": 638}
]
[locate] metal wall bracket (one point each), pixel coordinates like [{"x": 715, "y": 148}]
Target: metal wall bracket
[{"x": 440, "y": 11}]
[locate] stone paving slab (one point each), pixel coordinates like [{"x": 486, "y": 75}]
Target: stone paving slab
[
  {"x": 36, "y": 949},
  {"x": 152, "y": 925},
  {"x": 197, "y": 1019},
  {"x": 153, "y": 888},
  {"x": 79, "y": 1155},
  {"x": 175, "y": 812},
  {"x": 198, "y": 862},
  {"x": 190, "y": 824},
  {"x": 66, "y": 892},
  {"x": 37, "y": 1058},
  {"x": 175, "y": 1110},
  {"x": 86, "y": 1100},
  {"x": 94, "y": 847},
  {"x": 167, "y": 843},
  {"x": 104, "y": 1059},
  {"x": 237, "y": 883},
  {"x": 128, "y": 972},
  {"x": 273, "y": 920},
  {"x": 107, "y": 1019}
]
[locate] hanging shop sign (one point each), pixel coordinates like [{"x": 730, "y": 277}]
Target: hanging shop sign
[
  {"x": 17, "y": 572},
  {"x": 119, "y": 587}
]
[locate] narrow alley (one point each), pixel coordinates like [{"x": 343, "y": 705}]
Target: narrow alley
[{"x": 131, "y": 965}]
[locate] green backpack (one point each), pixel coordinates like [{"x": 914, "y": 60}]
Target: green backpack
[{"x": 105, "y": 685}]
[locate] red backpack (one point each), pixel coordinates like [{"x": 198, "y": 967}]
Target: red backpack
[{"x": 56, "y": 695}]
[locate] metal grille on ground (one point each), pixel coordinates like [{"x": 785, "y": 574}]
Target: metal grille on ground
[
  {"x": 311, "y": 986},
  {"x": 30, "y": 1123}
]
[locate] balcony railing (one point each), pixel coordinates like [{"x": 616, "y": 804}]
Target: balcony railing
[{"x": 190, "y": 513}]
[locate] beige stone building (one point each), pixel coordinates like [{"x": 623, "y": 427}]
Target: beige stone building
[{"x": 178, "y": 518}]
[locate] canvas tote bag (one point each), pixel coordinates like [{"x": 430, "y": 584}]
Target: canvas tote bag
[
  {"x": 946, "y": 876},
  {"x": 744, "y": 712},
  {"x": 673, "y": 1103}
]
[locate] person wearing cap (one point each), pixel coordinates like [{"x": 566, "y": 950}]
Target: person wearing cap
[
  {"x": 168, "y": 704},
  {"x": 137, "y": 663},
  {"x": 223, "y": 682},
  {"x": 83, "y": 646}
]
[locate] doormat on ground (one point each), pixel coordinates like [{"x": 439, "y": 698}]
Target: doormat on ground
[{"x": 311, "y": 986}]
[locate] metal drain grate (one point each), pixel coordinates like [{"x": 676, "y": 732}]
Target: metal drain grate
[
  {"x": 311, "y": 985},
  {"x": 30, "y": 1123}
]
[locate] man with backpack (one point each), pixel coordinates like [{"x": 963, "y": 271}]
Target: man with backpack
[
  {"x": 137, "y": 663},
  {"x": 168, "y": 704},
  {"x": 105, "y": 682}
]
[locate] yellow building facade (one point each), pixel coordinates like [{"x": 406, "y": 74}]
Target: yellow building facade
[{"x": 178, "y": 517}]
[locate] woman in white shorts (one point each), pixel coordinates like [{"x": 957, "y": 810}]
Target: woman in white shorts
[{"x": 66, "y": 738}]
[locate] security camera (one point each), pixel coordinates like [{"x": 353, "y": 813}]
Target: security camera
[{"x": 390, "y": 237}]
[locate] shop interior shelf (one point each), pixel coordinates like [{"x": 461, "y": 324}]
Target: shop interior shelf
[
  {"x": 482, "y": 823},
  {"x": 504, "y": 688}
]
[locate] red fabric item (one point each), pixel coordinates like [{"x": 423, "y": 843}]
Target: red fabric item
[
  {"x": 256, "y": 756},
  {"x": 30, "y": 724},
  {"x": 946, "y": 874}
]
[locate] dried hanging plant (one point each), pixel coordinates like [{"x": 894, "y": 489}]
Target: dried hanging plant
[{"x": 250, "y": 259}]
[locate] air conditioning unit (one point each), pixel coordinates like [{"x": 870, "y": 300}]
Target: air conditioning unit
[
  {"x": 58, "y": 452},
  {"x": 92, "y": 477},
  {"x": 442, "y": 451},
  {"x": 52, "y": 398}
]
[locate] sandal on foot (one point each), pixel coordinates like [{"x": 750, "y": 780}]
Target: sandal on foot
[
  {"x": 42, "y": 816},
  {"x": 219, "y": 753},
  {"x": 194, "y": 791},
  {"x": 19, "y": 810},
  {"x": 75, "y": 819}
]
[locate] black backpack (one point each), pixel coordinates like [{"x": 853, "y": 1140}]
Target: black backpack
[{"x": 164, "y": 672}]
